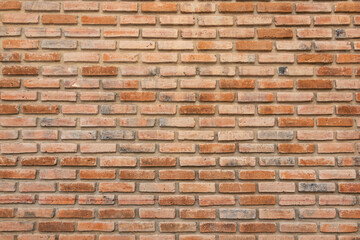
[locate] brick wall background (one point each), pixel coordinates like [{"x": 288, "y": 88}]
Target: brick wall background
[{"x": 179, "y": 120}]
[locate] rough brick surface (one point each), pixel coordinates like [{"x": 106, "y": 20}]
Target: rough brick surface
[{"x": 179, "y": 120}]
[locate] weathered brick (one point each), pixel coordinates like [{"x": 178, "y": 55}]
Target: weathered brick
[{"x": 20, "y": 18}]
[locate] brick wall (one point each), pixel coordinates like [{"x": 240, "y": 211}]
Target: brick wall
[{"x": 192, "y": 120}]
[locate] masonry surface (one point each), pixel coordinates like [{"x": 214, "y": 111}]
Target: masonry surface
[{"x": 179, "y": 120}]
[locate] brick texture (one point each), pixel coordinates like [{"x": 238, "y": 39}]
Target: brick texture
[{"x": 179, "y": 120}]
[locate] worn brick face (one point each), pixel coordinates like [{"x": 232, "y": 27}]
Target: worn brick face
[{"x": 179, "y": 120}]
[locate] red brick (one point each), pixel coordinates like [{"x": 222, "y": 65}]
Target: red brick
[
  {"x": 8, "y": 109},
  {"x": 47, "y": 57},
  {"x": 348, "y": 110},
  {"x": 314, "y": 84},
  {"x": 138, "y": 96},
  {"x": 112, "y": 213},
  {"x": 274, "y": 33},
  {"x": 177, "y": 227},
  {"x": 217, "y": 148},
  {"x": 274, "y": 84},
  {"x": 157, "y": 161},
  {"x": 21, "y": 174},
  {"x": 334, "y": 71},
  {"x": 99, "y": 71},
  {"x": 338, "y": 227},
  {"x": 176, "y": 174},
  {"x": 347, "y": 7},
  {"x": 75, "y": 213},
  {"x": 279, "y": 109},
  {"x": 9, "y": 83},
  {"x": 207, "y": 45},
  {"x": 98, "y": 20},
  {"x": 349, "y": 213},
  {"x": 236, "y": 7},
  {"x": 254, "y": 46},
  {"x": 296, "y": 148},
  {"x": 58, "y": 19},
  {"x": 217, "y": 227},
  {"x": 76, "y": 187},
  {"x": 197, "y": 109},
  {"x": 274, "y": 7},
  {"x": 40, "y": 109},
  {"x": 56, "y": 226},
  {"x": 216, "y": 174},
  {"x": 315, "y": 58},
  {"x": 189, "y": 213},
  {"x": 10, "y": 5},
  {"x": 20, "y": 70},
  {"x": 256, "y": 174},
  {"x": 181, "y": 200},
  {"x": 257, "y": 200},
  {"x": 335, "y": 122}
]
